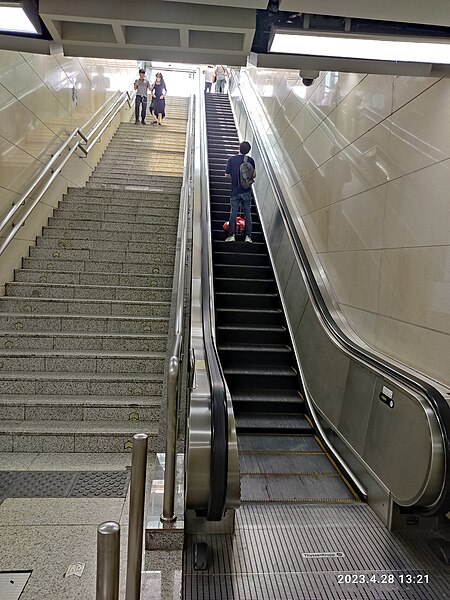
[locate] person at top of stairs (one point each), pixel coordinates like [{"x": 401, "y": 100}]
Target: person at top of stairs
[
  {"x": 240, "y": 196},
  {"x": 158, "y": 105},
  {"x": 141, "y": 86}
]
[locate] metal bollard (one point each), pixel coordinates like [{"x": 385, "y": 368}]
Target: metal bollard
[
  {"x": 108, "y": 560},
  {"x": 136, "y": 523}
]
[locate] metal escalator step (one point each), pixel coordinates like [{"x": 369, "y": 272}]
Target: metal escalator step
[
  {"x": 256, "y": 286},
  {"x": 249, "y": 317},
  {"x": 280, "y": 401},
  {"x": 273, "y": 422},
  {"x": 254, "y": 355},
  {"x": 241, "y": 258},
  {"x": 262, "y": 379},
  {"x": 294, "y": 488},
  {"x": 245, "y": 300},
  {"x": 255, "y": 248},
  {"x": 278, "y": 443},
  {"x": 228, "y": 334},
  {"x": 286, "y": 464}
]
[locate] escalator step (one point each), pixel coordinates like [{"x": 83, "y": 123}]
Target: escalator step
[
  {"x": 229, "y": 334},
  {"x": 287, "y": 463},
  {"x": 278, "y": 443},
  {"x": 272, "y": 422},
  {"x": 250, "y": 356},
  {"x": 245, "y": 300},
  {"x": 267, "y": 401},
  {"x": 294, "y": 488},
  {"x": 256, "y": 286},
  {"x": 247, "y": 316}
]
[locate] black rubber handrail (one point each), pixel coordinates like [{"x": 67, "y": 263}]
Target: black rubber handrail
[
  {"x": 219, "y": 413},
  {"x": 435, "y": 398}
]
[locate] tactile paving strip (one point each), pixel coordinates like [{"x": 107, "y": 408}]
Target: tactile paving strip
[{"x": 63, "y": 484}]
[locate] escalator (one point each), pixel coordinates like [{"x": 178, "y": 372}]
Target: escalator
[{"x": 281, "y": 457}]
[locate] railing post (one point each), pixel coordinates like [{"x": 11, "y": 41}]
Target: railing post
[
  {"x": 136, "y": 522},
  {"x": 168, "y": 514},
  {"x": 108, "y": 555}
]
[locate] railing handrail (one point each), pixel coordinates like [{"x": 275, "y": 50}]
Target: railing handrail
[
  {"x": 168, "y": 515},
  {"x": 105, "y": 121},
  {"x": 433, "y": 395}
]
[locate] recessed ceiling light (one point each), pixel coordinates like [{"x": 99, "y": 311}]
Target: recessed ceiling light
[
  {"x": 13, "y": 18},
  {"x": 363, "y": 48}
]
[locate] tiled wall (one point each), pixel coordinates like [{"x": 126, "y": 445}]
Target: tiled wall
[
  {"x": 42, "y": 98},
  {"x": 367, "y": 161}
]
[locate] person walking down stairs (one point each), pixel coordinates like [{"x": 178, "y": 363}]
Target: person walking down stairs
[{"x": 141, "y": 85}]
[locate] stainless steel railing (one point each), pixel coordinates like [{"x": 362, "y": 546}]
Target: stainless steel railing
[
  {"x": 173, "y": 378},
  {"x": 55, "y": 169}
]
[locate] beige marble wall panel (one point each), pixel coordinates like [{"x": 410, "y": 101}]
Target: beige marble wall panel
[
  {"x": 356, "y": 223},
  {"x": 354, "y": 277},
  {"x": 423, "y": 349},
  {"x": 415, "y": 286},
  {"x": 9, "y": 61},
  {"x": 407, "y": 88},
  {"x": 345, "y": 83},
  {"x": 363, "y": 322},
  {"x": 7, "y": 198},
  {"x": 421, "y": 131},
  {"x": 362, "y": 165},
  {"x": 314, "y": 191},
  {"x": 418, "y": 208},
  {"x": 17, "y": 167},
  {"x": 363, "y": 108}
]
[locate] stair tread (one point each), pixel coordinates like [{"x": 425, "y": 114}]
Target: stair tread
[
  {"x": 50, "y": 427},
  {"x": 75, "y": 335},
  {"x": 56, "y": 375},
  {"x": 80, "y": 353},
  {"x": 80, "y": 286},
  {"x": 100, "y": 401},
  {"x": 75, "y": 316},
  {"x": 4, "y": 299}
]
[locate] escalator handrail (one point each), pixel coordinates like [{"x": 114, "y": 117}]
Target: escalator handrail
[
  {"x": 434, "y": 397},
  {"x": 219, "y": 415}
]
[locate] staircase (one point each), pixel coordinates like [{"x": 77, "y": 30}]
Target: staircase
[{"x": 83, "y": 326}]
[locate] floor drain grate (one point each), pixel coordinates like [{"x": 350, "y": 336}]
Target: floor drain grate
[{"x": 63, "y": 484}]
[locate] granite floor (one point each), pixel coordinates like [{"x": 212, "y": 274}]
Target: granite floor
[{"x": 47, "y": 535}]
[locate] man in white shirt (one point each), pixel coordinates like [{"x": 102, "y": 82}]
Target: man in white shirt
[
  {"x": 209, "y": 77},
  {"x": 141, "y": 85},
  {"x": 221, "y": 72}
]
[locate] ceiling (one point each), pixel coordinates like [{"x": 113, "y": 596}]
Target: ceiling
[{"x": 195, "y": 32}]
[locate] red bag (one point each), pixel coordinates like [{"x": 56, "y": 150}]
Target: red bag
[{"x": 240, "y": 225}]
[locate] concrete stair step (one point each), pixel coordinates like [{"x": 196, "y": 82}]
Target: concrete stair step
[
  {"x": 50, "y": 323},
  {"x": 86, "y": 243},
  {"x": 87, "y": 292},
  {"x": 104, "y": 197},
  {"x": 139, "y": 186},
  {"x": 113, "y": 226},
  {"x": 112, "y": 342},
  {"x": 95, "y": 266},
  {"x": 163, "y": 180},
  {"x": 157, "y": 215},
  {"x": 153, "y": 258},
  {"x": 94, "y": 278},
  {"x": 106, "y": 237},
  {"x": 57, "y": 306},
  {"x": 134, "y": 194},
  {"x": 79, "y": 408},
  {"x": 157, "y": 208},
  {"x": 74, "y": 384},
  {"x": 73, "y": 436},
  {"x": 81, "y": 361}
]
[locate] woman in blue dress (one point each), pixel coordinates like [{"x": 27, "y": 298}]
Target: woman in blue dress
[{"x": 159, "y": 99}]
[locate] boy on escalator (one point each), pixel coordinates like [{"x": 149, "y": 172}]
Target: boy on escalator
[{"x": 241, "y": 170}]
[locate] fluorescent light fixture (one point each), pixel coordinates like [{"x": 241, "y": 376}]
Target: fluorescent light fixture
[
  {"x": 371, "y": 49},
  {"x": 19, "y": 17}
]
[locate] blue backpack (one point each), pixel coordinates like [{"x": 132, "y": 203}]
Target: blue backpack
[{"x": 246, "y": 171}]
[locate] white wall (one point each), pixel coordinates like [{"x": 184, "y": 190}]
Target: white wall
[
  {"x": 42, "y": 98},
  {"x": 367, "y": 161}
]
